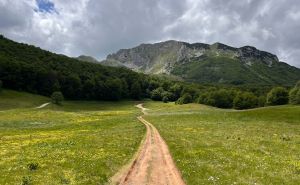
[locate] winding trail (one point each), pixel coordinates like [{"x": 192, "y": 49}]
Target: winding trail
[
  {"x": 43, "y": 105},
  {"x": 153, "y": 165}
]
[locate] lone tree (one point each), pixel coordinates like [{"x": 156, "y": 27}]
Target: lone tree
[
  {"x": 57, "y": 97},
  {"x": 278, "y": 96},
  {"x": 295, "y": 94}
]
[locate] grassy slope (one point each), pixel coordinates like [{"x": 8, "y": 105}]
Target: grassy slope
[
  {"x": 12, "y": 99},
  {"x": 227, "y": 70},
  {"x": 78, "y": 143},
  {"x": 214, "y": 146}
]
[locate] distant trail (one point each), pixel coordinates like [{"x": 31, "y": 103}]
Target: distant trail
[
  {"x": 43, "y": 105},
  {"x": 153, "y": 164}
]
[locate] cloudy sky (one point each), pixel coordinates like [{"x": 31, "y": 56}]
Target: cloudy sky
[{"x": 100, "y": 27}]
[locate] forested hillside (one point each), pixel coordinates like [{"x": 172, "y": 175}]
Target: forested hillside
[{"x": 28, "y": 68}]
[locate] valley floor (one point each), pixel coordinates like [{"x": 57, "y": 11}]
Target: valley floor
[{"x": 89, "y": 142}]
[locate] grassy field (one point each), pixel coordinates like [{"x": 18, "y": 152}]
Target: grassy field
[
  {"x": 13, "y": 99},
  {"x": 215, "y": 146},
  {"x": 77, "y": 143}
]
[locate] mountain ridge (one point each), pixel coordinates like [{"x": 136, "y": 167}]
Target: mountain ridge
[{"x": 246, "y": 64}]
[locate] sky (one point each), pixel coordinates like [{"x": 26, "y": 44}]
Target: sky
[{"x": 100, "y": 27}]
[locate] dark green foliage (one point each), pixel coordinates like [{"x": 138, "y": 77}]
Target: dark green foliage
[
  {"x": 33, "y": 166},
  {"x": 157, "y": 94},
  {"x": 0, "y": 85},
  {"x": 294, "y": 94},
  {"x": 245, "y": 100},
  {"x": 165, "y": 99},
  {"x": 176, "y": 90},
  {"x": 57, "y": 97},
  {"x": 261, "y": 101},
  {"x": 223, "y": 98},
  {"x": 278, "y": 96},
  {"x": 169, "y": 96},
  {"x": 136, "y": 91},
  {"x": 26, "y": 180},
  {"x": 113, "y": 89},
  {"x": 186, "y": 98},
  {"x": 219, "y": 98}
]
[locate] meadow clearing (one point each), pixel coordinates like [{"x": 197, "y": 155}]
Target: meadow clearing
[
  {"x": 218, "y": 146},
  {"x": 88, "y": 142},
  {"x": 77, "y": 143}
]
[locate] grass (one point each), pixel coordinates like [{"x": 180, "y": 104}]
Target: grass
[
  {"x": 215, "y": 146},
  {"x": 77, "y": 143},
  {"x": 13, "y": 99}
]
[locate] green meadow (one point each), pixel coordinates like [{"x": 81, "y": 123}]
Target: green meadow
[
  {"x": 87, "y": 142},
  {"x": 77, "y": 143},
  {"x": 218, "y": 146}
]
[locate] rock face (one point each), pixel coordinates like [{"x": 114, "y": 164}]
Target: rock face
[{"x": 199, "y": 62}]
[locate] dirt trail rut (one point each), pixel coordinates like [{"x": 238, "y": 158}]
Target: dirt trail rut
[
  {"x": 43, "y": 105},
  {"x": 153, "y": 164}
]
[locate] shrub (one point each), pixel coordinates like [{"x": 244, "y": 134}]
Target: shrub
[
  {"x": 294, "y": 94},
  {"x": 245, "y": 100},
  {"x": 222, "y": 99},
  {"x": 261, "y": 101},
  {"x": 156, "y": 94},
  {"x": 57, "y": 97},
  {"x": 165, "y": 99},
  {"x": 168, "y": 95},
  {"x": 33, "y": 166},
  {"x": 278, "y": 96},
  {"x": 219, "y": 98},
  {"x": 26, "y": 180},
  {"x": 186, "y": 98}
]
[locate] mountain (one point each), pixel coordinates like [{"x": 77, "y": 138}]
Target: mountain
[
  {"x": 204, "y": 63},
  {"x": 87, "y": 59}
]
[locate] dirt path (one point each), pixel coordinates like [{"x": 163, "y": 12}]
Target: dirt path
[
  {"x": 153, "y": 164},
  {"x": 43, "y": 105}
]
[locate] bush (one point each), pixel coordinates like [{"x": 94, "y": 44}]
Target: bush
[
  {"x": 278, "y": 96},
  {"x": 219, "y": 98},
  {"x": 0, "y": 85},
  {"x": 186, "y": 98},
  {"x": 261, "y": 101},
  {"x": 57, "y": 97},
  {"x": 223, "y": 98},
  {"x": 26, "y": 180},
  {"x": 165, "y": 99},
  {"x": 33, "y": 166},
  {"x": 245, "y": 100},
  {"x": 156, "y": 94},
  {"x": 294, "y": 94}
]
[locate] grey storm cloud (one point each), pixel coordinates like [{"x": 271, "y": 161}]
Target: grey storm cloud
[{"x": 100, "y": 27}]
